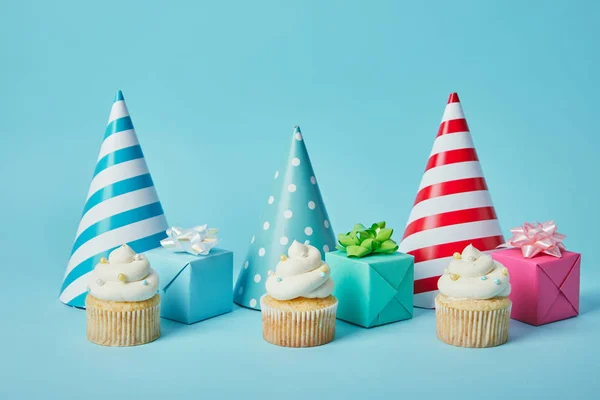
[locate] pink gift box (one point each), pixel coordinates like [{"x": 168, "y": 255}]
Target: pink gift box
[{"x": 544, "y": 288}]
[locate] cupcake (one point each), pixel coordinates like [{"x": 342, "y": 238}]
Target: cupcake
[
  {"x": 473, "y": 309},
  {"x": 122, "y": 306},
  {"x": 298, "y": 309}
]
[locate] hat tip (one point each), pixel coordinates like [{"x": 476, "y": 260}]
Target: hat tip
[
  {"x": 297, "y": 128},
  {"x": 453, "y": 98},
  {"x": 119, "y": 96}
]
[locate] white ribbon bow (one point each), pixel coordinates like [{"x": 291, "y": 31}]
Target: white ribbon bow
[{"x": 197, "y": 240}]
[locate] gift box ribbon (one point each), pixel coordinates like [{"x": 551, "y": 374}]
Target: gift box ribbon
[
  {"x": 361, "y": 241},
  {"x": 535, "y": 238},
  {"x": 198, "y": 240}
]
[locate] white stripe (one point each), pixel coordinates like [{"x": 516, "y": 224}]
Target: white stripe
[
  {"x": 118, "y": 110},
  {"x": 118, "y": 141},
  {"x": 449, "y": 234},
  {"x": 453, "y": 111},
  {"x": 451, "y": 172},
  {"x": 116, "y": 205},
  {"x": 116, "y": 237},
  {"x": 451, "y": 202},
  {"x": 429, "y": 268},
  {"x": 76, "y": 287},
  {"x": 454, "y": 141},
  {"x": 425, "y": 300},
  {"x": 116, "y": 173}
]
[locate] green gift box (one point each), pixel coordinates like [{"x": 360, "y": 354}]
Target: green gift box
[{"x": 373, "y": 290}]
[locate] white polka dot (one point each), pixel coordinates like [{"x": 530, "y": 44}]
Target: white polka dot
[
  {"x": 257, "y": 278},
  {"x": 241, "y": 290},
  {"x": 261, "y": 251},
  {"x": 271, "y": 199},
  {"x": 307, "y": 242},
  {"x": 246, "y": 264},
  {"x": 311, "y": 205},
  {"x": 266, "y": 225},
  {"x": 291, "y": 188},
  {"x": 252, "y": 241},
  {"x": 308, "y": 230},
  {"x": 295, "y": 161},
  {"x": 252, "y": 303},
  {"x": 288, "y": 214},
  {"x": 326, "y": 249},
  {"x": 313, "y": 180},
  {"x": 283, "y": 240},
  {"x": 276, "y": 174},
  {"x": 270, "y": 272},
  {"x": 298, "y": 136},
  {"x": 326, "y": 223}
]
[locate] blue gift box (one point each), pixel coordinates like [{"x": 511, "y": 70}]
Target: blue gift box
[
  {"x": 193, "y": 288},
  {"x": 373, "y": 290}
]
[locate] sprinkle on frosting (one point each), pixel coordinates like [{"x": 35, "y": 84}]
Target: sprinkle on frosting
[
  {"x": 114, "y": 278},
  {"x": 301, "y": 274},
  {"x": 474, "y": 275}
]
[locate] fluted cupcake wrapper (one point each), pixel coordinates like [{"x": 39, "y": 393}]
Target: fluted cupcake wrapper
[
  {"x": 306, "y": 328},
  {"x": 129, "y": 326},
  {"x": 469, "y": 328}
]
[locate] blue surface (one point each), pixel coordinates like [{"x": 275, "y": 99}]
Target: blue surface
[{"x": 215, "y": 90}]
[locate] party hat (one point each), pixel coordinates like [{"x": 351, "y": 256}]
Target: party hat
[
  {"x": 294, "y": 211},
  {"x": 453, "y": 207},
  {"x": 121, "y": 206}
]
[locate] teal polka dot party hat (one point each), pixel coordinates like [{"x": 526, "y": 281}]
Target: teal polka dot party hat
[
  {"x": 121, "y": 206},
  {"x": 294, "y": 210}
]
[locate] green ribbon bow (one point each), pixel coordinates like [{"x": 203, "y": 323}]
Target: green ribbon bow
[{"x": 362, "y": 240}]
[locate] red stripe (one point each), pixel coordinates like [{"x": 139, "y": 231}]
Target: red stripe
[
  {"x": 451, "y": 157},
  {"x": 450, "y": 218},
  {"x": 453, "y": 126},
  {"x": 447, "y": 250},
  {"x": 453, "y": 98},
  {"x": 426, "y": 285},
  {"x": 450, "y": 187}
]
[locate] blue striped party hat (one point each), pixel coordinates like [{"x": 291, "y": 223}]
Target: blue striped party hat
[
  {"x": 121, "y": 206},
  {"x": 294, "y": 211}
]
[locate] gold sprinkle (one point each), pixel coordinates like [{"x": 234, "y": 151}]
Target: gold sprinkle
[
  {"x": 454, "y": 277},
  {"x": 103, "y": 260},
  {"x": 283, "y": 257},
  {"x": 504, "y": 272},
  {"x": 122, "y": 277},
  {"x": 457, "y": 256},
  {"x": 324, "y": 268}
]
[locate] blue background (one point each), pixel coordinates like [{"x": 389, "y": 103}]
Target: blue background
[{"x": 214, "y": 90}]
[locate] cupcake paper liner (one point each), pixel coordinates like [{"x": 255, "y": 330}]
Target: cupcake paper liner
[
  {"x": 307, "y": 328},
  {"x": 123, "y": 324},
  {"x": 468, "y": 328}
]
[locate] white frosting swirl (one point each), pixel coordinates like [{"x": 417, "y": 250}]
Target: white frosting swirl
[
  {"x": 125, "y": 276},
  {"x": 474, "y": 275},
  {"x": 301, "y": 274}
]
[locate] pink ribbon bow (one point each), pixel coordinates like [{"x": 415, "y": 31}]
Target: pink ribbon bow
[{"x": 537, "y": 238}]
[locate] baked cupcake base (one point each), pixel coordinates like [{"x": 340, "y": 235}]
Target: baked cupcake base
[
  {"x": 472, "y": 323},
  {"x": 299, "y": 322},
  {"x": 113, "y": 323}
]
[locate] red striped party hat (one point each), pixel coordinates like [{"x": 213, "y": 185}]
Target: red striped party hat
[{"x": 453, "y": 207}]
